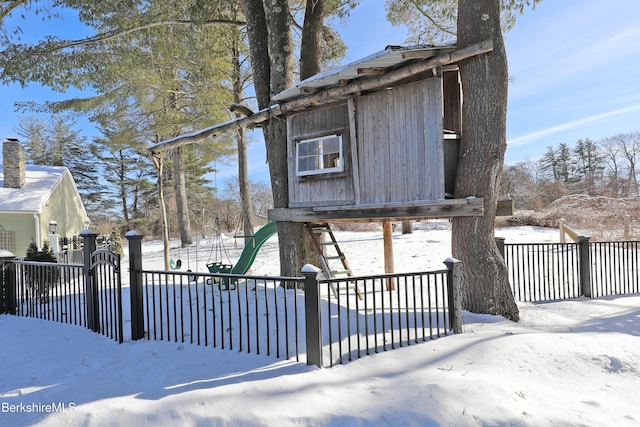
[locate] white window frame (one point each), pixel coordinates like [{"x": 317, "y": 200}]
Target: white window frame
[{"x": 320, "y": 155}]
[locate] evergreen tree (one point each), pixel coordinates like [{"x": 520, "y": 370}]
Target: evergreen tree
[
  {"x": 588, "y": 160},
  {"x": 160, "y": 64},
  {"x": 55, "y": 141},
  {"x": 549, "y": 164}
]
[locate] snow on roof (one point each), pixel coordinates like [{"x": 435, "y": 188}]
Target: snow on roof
[
  {"x": 389, "y": 58},
  {"x": 40, "y": 181}
]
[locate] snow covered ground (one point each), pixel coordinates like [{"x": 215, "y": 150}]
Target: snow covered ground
[{"x": 566, "y": 363}]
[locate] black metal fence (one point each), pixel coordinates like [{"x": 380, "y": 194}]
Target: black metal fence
[
  {"x": 51, "y": 291},
  {"x": 366, "y": 315},
  {"x": 253, "y": 314},
  {"x": 87, "y": 294},
  {"x": 557, "y": 271},
  {"x": 615, "y": 268},
  {"x": 329, "y": 321}
]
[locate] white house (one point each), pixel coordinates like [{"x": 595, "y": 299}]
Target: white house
[{"x": 34, "y": 198}]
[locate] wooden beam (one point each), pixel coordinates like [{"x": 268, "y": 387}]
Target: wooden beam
[
  {"x": 372, "y": 213},
  {"x": 210, "y": 132},
  {"x": 325, "y": 96},
  {"x": 387, "y": 238},
  {"x": 371, "y": 71}
]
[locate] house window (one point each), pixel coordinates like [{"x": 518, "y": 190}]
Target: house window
[
  {"x": 7, "y": 240},
  {"x": 319, "y": 155}
]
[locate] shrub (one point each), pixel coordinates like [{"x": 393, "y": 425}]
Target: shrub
[{"x": 41, "y": 278}]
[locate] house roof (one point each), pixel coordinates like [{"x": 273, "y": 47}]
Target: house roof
[
  {"x": 378, "y": 63},
  {"x": 40, "y": 181}
]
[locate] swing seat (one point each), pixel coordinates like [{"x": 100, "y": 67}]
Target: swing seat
[
  {"x": 224, "y": 283},
  {"x": 218, "y": 267},
  {"x": 175, "y": 265}
]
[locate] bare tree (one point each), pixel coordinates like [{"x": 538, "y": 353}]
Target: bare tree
[
  {"x": 612, "y": 159},
  {"x": 629, "y": 144}
]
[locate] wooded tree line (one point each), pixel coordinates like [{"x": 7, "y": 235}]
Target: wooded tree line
[
  {"x": 608, "y": 167},
  {"x": 115, "y": 179}
]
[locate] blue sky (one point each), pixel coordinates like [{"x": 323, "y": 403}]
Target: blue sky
[{"x": 574, "y": 66}]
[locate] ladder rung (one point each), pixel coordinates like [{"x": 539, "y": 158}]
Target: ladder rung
[
  {"x": 339, "y": 272},
  {"x": 335, "y": 257},
  {"x": 320, "y": 230}
]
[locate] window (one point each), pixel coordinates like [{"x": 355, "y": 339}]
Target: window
[
  {"x": 319, "y": 155},
  {"x": 7, "y": 240}
]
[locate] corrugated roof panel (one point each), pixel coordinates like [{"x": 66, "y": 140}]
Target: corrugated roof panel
[{"x": 390, "y": 58}]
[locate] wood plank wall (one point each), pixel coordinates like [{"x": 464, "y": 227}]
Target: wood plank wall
[
  {"x": 327, "y": 190},
  {"x": 398, "y": 153},
  {"x": 400, "y": 150}
]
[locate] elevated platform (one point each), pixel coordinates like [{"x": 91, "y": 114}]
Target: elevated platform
[{"x": 376, "y": 213}]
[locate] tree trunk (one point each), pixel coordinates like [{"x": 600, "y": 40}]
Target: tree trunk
[
  {"x": 182, "y": 207},
  {"x": 485, "y": 282},
  {"x": 311, "y": 44},
  {"x": 271, "y": 51},
  {"x": 243, "y": 174},
  {"x": 243, "y": 182}
]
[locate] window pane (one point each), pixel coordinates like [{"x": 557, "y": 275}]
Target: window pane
[
  {"x": 314, "y": 147},
  {"x": 319, "y": 155},
  {"x": 331, "y": 145},
  {"x": 303, "y": 148}
]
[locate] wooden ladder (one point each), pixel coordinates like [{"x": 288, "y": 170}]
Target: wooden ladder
[{"x": 328, "y": 261}]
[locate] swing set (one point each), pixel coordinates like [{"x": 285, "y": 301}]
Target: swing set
[{"x": 218, "y": 253}]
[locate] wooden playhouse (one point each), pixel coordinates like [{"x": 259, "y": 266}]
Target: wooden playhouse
[
  {"x": 372, "y": 141},
  {"x": 385, "y": 149}
]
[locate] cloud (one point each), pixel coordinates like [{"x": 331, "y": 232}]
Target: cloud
[{"x": 525, "y": 139}]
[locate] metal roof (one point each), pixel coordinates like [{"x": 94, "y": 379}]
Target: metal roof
[{"x": 378, "y": 63}]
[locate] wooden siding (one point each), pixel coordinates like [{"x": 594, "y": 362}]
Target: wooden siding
[
  {"x": 329, "y": 189},
  {"x": 400, "y": 148},
  {"x": 64, "y": 206},
  {"x": 23, "y": 225}
]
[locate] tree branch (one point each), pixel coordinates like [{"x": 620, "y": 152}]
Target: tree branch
[
  {"x": 433, "y": 22},
  {"x": 99, "y": 38}
]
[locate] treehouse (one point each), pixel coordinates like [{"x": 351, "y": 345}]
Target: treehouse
[{"x": 376, "y": 140}]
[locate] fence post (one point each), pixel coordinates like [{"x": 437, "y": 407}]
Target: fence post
[
  {"x": 313, "y": 326},
  {"x": 500, "y": 245},
  {"x": 91, "y": 293},
  {"x": 135, "y": 287},
  {"x": 7, "y": 283},
  {"x": 453, "y": 290},
  {"x": 585, "y": 265}
]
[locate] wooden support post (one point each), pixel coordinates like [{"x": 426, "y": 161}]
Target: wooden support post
[{"x": 387, "y": 235}]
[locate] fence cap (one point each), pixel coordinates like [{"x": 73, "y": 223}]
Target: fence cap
[
  {"x": 133, "y": 234},
  {"x": 5, "y": 254},
  {"x": 310, "y": 268}
]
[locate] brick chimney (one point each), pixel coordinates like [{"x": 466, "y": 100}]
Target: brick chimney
[{"x": 13, "y": 163}]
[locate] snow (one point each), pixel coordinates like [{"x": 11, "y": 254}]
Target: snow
[
  {"x": 39, "y": 183},
  {"x": 571, "y": 362}
]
